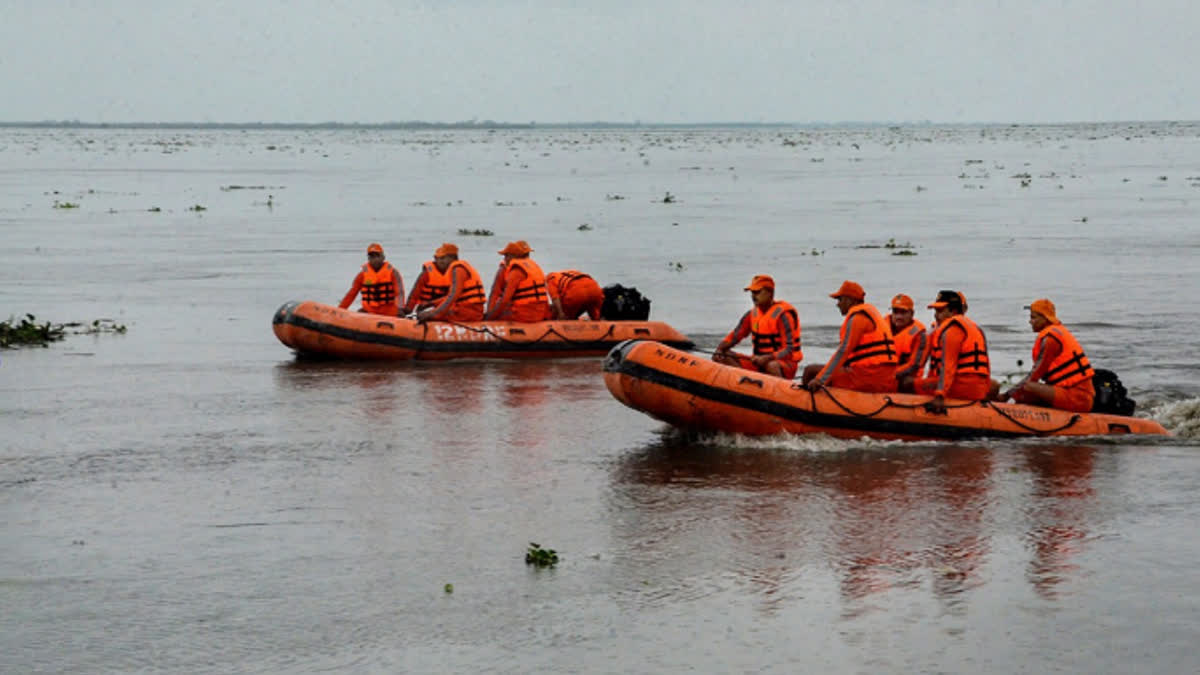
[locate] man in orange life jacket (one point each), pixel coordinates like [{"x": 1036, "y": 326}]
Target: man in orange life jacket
[
  {"x": 429, "y": 288},
  {"x": 865, "y": 359},
  {"x": 572, "y": 293},
  {"x": 1058, "y": 361},
  {"x": 910, "y": 336},
  {"x": 380, "y": 283},
  {"x": 519, "y": 289},
  {"x": 958, "y": 356},
  {"x": 775, "y": 328},
  {"x": 463, "y": 298}
]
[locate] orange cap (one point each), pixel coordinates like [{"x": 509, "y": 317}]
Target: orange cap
[
  {"x": 949, "y": 298},
  {"x": 1045, "y": 308},
  {"x": 902, "y": 301},
  {"x": 849, "y": 289},
  {"x": 759, "y": 282},
  {"x": 375, "y": 248},
  {"x": 445, "y": 249},
  {"x": 518, "y": 247}
]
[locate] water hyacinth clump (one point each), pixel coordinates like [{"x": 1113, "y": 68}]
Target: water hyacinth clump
[
  {"x": 29, "y": 332},
  {"x": 541, "y": 557}
]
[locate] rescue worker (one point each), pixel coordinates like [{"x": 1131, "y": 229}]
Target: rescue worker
[
  {"x": 519, "y": 289},
  {"x": 429, "y": 288},
  {"x": 572, "y": 293},
  {"x": 958, "y": 356},
  {"x": 865, "y": 359},
  {"x": 463, "y": 299},
  {"x": 381, "y": 285},
  {"x": 910, "y": 336},
  {"x": 1062, "y": 375},
  {"x": 774, "y": 327}
]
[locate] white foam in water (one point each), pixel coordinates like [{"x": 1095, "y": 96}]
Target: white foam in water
[
  {"x": 802, "y": 442},
  {"x": 1181, "y": 418}
]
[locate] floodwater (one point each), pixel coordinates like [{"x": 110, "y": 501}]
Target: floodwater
[{"x": 190, "y": 497}]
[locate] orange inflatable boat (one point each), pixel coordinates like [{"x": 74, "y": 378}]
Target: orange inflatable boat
[
  {"x": 692, "y": 392},
  {"x": 316, "y": 328}
]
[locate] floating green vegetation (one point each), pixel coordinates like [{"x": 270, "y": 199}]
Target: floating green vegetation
[
  {"x": 449, "y": 588},
  {"x": 813, "y": 252},
  {"x": 65, "y": 205},
  {"x": 584, "y": 228},
  {"x": 542, "y": 557},
  {"x": 154, "y": 209},
  {"x": 675, "y": 266},
  {"x": 465, "y": 232},
  {"x": 227, "y": 188},
  {"x": 890, "y": 244},
  {"x": 29, "y": 332},
  {"x": 613, "y": 198},
  {"x": 197, "y": 208},
  {"x": 905, "y": 252}
]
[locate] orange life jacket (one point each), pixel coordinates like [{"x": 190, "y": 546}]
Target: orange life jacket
[
  {"x": 472, "y": 291},
  {"x": 909, "y": 346},
  {"x": 973, "y": 358},
  {"x": 767, "y": 333},
  {"x": 1071, "y": 366},
  {"x": 876, "y": 346},
  {"x": 379, "y": 288},
  {"x": 436, "y": 284},
  {"x": 532, "y": 290},
  {"x": 557, "y": 282}
]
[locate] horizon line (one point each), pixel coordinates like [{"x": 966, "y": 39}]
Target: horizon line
[{"x": 492, "y": 124}]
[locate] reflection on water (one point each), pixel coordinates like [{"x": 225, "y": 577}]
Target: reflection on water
[
  {"x": 1062, "y": 495},
  {"x": 890, "y": 519}
]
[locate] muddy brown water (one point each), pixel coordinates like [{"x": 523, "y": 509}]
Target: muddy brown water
[{"x": 191, "y": 497}]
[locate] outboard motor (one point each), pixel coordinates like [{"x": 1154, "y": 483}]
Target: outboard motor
[
  {"x": 1111, "y": 396},
  {"x": 624, "y": 304}
]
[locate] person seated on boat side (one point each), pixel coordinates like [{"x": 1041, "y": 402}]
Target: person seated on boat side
[
  {"x": 572, "y": 293},
  {"x": 774, "y": 327},
  {"x": 381, "y": 285},
  {"x": 519, "y": 289},
  {"x": 865, "y": 359},
  {"x": 958, "y": 357},
  {"x": 464, "y": 298},
  {"x": 429, "y": 288},
  {"x": 1062, "y": 375},
  {"x": 912, "y": 341}
]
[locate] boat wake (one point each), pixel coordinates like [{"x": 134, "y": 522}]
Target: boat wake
[{"x": 1181, "y": 418}]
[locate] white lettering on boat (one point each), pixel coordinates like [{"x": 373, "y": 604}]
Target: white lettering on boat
[{"x": 1025, "y": 414}]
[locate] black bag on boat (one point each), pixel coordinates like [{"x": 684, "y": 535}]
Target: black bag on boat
[
  {"x": 624, "y": 304},
  {"x": 1111, "y": 396}
]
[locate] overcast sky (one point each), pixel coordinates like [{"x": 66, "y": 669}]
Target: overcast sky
[{"x": 600, "y": 60}]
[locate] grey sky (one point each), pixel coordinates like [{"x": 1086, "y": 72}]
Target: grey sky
[{"x": 610, "y": 60}]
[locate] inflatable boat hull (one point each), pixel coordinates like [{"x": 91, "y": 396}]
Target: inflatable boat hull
[
  {"x": 315, "y": 328},
  {"x": 692, "y": 392}
]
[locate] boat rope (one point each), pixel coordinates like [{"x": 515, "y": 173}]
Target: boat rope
[
  {"x": 910, "y": 406},
  {"x": 549, "y": 331},
  {"x": 1070, "y": 423},
  {"x": 424, "y": 334},
  {"x": 887, "y": 403}
]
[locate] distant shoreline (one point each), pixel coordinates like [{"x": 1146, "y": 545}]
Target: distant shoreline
[
  {"x": 484, "y": 125},
  {"x": 488, "y": 125}
]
